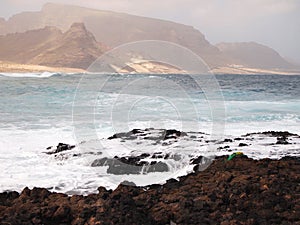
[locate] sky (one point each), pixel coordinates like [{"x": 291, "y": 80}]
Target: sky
[{"x": 275, "y": 23}]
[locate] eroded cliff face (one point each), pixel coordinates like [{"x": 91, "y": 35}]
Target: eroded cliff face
[
  {"x": 114, "y": 29},
  {"x": 251, "y": 54},
  {"x": 49, "y": 46},
  {"x": 76, "y": 48},
  {"x": 240, "y": 191}
]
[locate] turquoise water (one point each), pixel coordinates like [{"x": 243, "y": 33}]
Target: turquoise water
[
  {"x": 41, "y": 110},
  {"x": 43, "y": 103}
]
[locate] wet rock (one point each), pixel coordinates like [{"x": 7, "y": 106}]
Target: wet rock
[
  {"x": 149, "y": 134},
  {"x": 275, "y": 134},
  {"x": 282, "y": 140},
  {"x": 158, "y": 167},
  {"x": 129, "y": 183},
  {"x": 101, "y": 162},
  {"x": 130, "y": 165},
  {"x": 61, "y": 147},
  {"x": 225, "y": 147},
  {"x": 157, "y": 155},
  {"x": 131, "y": 135},
  {"x": 126, "y": 136},
  {"x": 175, "y": 157},
  {"x": 238, "y": 139},
  {"x": 119, "y": 168},
  {"x": 168, "y": 134},
  {"x": 242, "y": 144},
  {"x": 239, "y": 191},
  {"x": 130, "y": 160},
  {"x": 197, "y": 160}
]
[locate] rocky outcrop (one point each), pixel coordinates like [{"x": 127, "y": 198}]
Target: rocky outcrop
[
  {"x": 61, "y": 147},
  {"x": 281, "y": 136},
  {"x": 77, "y": 48},
  {"x": 49, "y": 46},
  {"x": 275, "y": 134},
  {"x": 130, "y": 165},
  {"x": 164, "y": 150},
  {"x": 145, "y": 163},
  {"x": 149, "y": 134},
  {"x": 240, "y": 191}
]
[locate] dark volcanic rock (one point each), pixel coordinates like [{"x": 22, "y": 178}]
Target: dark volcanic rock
[
  {"x": 197, "y": 160},
  {"x": 242, "y": 144},
  {"x": 158, "y": 167},
  {"x": 275, "y": 134},
  {"x": 240, "y": 191},
  {"x": 130, "y": 165},
  {"x": 144, "y": 134},
  {"x": 282, "y": 136},
  {"x": 117, "y": 167},
  {"x": 282, "y": 140},
  {"x": 173, "y": 134},
  {"x": 131, "y": 135},
  {"x": 128, "y": 183},
  {"x": 238, "y": 139},
  {"x": 61, "y": 147},
  {"x": 227, "y": 140}
]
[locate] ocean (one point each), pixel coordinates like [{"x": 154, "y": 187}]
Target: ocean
[{"x": 39, "y": 110}]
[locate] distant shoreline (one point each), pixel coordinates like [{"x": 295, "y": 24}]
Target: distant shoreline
[{"x": 9, "y": 67}]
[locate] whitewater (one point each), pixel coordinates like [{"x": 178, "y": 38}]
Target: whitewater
[{"x": 39, "y": 110}]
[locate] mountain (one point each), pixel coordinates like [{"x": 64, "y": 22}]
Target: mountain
[
  {"x": 251, "y": 54},
  {"x": 75, "y": 48},
  {"x": 115, "y": 29},
  {"x": 45, "y": 38}
]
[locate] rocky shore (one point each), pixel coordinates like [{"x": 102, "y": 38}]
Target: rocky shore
[{"x": 239, "y": 191}]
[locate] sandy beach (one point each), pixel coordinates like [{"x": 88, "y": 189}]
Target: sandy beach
[
  {"x": 9, "y": 67},
  {"x": 139, "y": 68}
]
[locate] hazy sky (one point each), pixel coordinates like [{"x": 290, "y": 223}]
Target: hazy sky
[{"x": 275, "y": 23}]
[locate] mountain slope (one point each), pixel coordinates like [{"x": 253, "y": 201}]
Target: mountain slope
[
  {"x": 48, "y": 47},
  {"x": 19, "y": 47},
  {"x": 254, "y": 55},
  {"x": 115, "y": 29},
  {"x": 51, "y": 47}
]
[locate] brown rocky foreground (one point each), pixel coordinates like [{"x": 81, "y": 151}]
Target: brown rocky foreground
[{"x": 240, "y": 191}]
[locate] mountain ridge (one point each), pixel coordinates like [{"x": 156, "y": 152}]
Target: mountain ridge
[
  {"x": 102, "y": 30},
  {"x": 115, "y": 29}
]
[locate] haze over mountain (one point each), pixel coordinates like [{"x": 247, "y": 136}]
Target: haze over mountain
[
  {"x": 49, "y": 46},
  {"x": 115, "y": 29},
  {"x": 252, "y": 54},
  {"x": 44, "y": 38}
]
